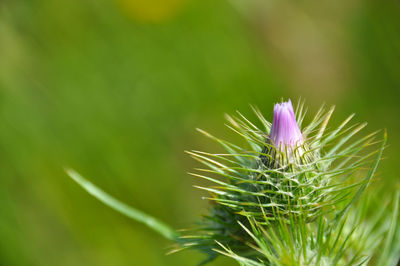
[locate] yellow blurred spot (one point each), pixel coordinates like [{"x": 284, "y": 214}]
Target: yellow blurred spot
[{"x": 151, "y": 11}]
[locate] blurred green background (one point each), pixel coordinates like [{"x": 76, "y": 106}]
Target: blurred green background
[{"x": 115, "y": 89}]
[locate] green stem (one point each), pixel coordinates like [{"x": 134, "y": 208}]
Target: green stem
[{"x": 153, "y": 223}]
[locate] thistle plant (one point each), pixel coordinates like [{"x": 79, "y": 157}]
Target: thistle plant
[{"x": 292, "y": 196}]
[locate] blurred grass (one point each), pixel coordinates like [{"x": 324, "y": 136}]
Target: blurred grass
[{"x": 90, "y": 85}]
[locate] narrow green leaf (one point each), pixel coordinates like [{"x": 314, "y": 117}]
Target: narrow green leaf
[
  {"x": 153, "y": 223},
  {"x": 367, "y": 179},
  {"x": 384, "y": 258}
]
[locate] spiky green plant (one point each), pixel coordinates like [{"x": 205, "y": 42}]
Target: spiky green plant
[{"x": 290, "y": 197}]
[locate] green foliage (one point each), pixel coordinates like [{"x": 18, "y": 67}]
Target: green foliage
[{"x": 349, "y": 242}]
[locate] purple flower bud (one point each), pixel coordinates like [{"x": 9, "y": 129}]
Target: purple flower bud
[{"x": 284, "y": 129}]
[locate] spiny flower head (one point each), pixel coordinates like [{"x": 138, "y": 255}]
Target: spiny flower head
[
  {"x": 274, "y": 204},
  {"x": 284, "y": 174}
]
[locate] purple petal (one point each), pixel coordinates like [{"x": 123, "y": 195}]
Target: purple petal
[{"x": 284, "y": 130}]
